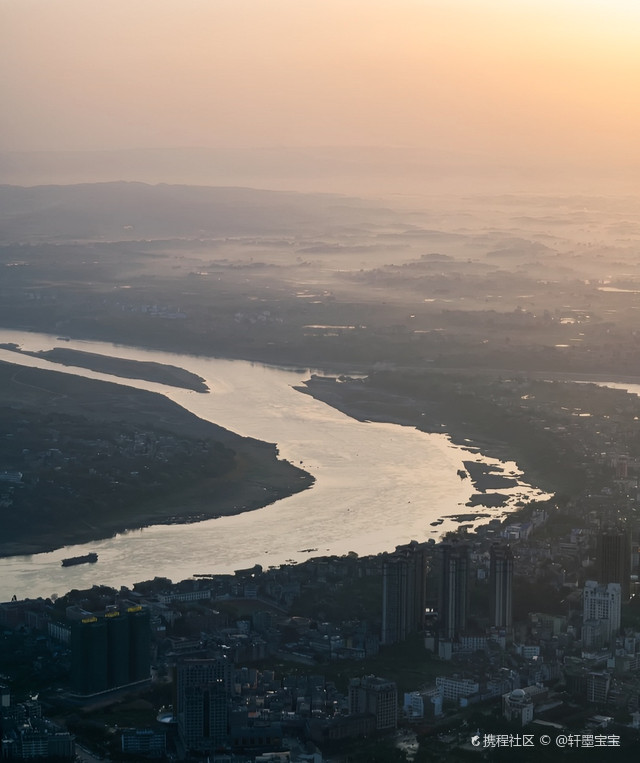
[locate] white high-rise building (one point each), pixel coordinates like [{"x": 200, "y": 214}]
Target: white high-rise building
[{"x": 602, "y": 607}]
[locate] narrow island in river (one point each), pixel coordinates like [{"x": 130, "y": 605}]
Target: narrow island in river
[
  {"x": 126, "y": 369},
  {"x": 84, "y": 459}
]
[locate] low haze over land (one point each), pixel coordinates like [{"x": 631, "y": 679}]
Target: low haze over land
[{"x": 537, "y": 283}]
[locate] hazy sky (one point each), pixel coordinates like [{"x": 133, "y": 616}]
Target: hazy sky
[{"x": 516, "y": 80}]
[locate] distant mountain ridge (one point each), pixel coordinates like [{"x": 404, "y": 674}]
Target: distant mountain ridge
[{"x": 132, "y": 211}]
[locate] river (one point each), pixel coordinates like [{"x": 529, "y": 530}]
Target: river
[{"x": 377, "y": 485}]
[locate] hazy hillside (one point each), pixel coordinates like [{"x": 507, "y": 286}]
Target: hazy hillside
[{"x": 119, "y": 211}]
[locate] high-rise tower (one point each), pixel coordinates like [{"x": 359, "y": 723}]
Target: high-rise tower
[
  {"x": 376, "y": 696},
  {"x": 403, "y": 593},
  {"x": 613, "y": 557},
  {"x": 601, "y": 612},
  {"x": 501, "y": 582},
  {"x": 203, "y": 693},
  {"x": 109, "y": 649},
  {"x": 454, "y": 589},
  {"x": 89, "y": 649},
  {"x": 139, "y": 643}
]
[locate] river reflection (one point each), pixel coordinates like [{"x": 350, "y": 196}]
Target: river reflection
[{"x": 377, "y": 485}]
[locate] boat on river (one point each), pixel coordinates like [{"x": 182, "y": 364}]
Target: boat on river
[{"x": 91, "y": 558}]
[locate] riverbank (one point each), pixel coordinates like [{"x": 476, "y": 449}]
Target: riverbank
[
  {"x": 366, "y": 402},
  {"x": 90, "y": 459}
]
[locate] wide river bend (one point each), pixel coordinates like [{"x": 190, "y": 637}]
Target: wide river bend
[{"x": 377, "y": 485}]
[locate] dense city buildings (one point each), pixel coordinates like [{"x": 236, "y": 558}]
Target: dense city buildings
[
  {"x": 322, "y": 619},
  {"x": 26, "y": 734}
]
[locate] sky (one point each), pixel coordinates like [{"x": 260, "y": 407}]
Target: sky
[{"x": 537, "y": 82}]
